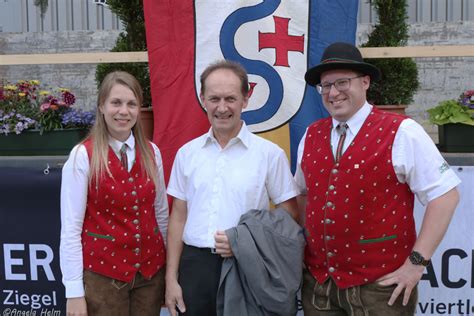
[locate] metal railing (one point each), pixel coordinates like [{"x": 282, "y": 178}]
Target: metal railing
[
  {"x": 60, "y": 15},
  {"x": 70, "y": 15},
  {"x": 425, "y": 11}
]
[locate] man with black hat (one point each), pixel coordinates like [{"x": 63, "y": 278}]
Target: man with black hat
[{"x": 358, "y": 172}]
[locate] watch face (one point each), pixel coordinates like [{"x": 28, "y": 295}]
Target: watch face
[{"x": 416, "y": 258}]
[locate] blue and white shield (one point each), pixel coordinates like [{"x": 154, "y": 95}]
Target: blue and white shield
[{"x": 269, "y": 38}]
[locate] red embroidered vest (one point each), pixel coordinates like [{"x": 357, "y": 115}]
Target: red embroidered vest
[
  {"x": 358, "y": 215},
  {"x": 120, "y": 235}
]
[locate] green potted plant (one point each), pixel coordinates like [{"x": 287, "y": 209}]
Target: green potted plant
[
  {"x": 399, "y": 81},
  {"x": 455, "y": 120},
  {"x": 132, "y": 39}
]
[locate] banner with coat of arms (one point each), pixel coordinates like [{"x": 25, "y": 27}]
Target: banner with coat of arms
[{"x": 276, "y": 41}]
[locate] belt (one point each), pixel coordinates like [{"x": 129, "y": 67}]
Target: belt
[{"x": 193, "y": 248}]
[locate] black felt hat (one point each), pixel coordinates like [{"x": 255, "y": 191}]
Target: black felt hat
[{"x": 341, "y": 56}]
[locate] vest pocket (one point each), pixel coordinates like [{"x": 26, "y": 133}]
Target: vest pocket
[
  {"x": 376, "y": 240},
  {"x": 100, "y": 236}
]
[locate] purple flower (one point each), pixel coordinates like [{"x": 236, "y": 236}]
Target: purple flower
[{"x": 78, "y": 118}]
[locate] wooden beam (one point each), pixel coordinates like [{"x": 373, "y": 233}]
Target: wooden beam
[
  {"x": 418, "y": 51},
  {"x": 74, "y": 58},
  {"x": 124, "y": 57}
]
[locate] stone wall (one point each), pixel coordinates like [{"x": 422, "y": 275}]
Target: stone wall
[
  {"x": 80, "y": 78},
  {"x": 440, "y": 78}
]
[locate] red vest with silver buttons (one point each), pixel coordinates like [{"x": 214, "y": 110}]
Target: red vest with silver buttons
[
  {"x": 120, "y": 235},
  {"x": 359, "y": 217}
]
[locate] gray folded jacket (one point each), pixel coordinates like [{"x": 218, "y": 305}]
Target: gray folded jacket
[{"x": 265, "y": 274}]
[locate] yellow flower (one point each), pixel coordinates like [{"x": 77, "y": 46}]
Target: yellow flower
[
  {"x": 10, "y": 87},
  {"x": 63, "y": 90},
  {"x": 44, "y": 92},
  {"x": 21, "y": 94},
  {"x": 35, "y": 82}
]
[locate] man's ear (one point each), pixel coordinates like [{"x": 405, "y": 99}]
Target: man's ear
[
  {"x": 201, "y": 98},
  {"x": 246, "y": 102},
  {"x": 366, "y": 82}
]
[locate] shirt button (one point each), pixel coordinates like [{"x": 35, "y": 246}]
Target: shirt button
[
  {"x": 330, "y": 254},
  {"x": 328, "y": 221},
  {"x": 329, "y": 204},
  {"x": 136, "y": 221},
  {"x": 130, "y": 179},
  {"x": 331, "y": 269},
  {"x": 327, "y": 237},
  {"x": 137, "y": 265},
  {"x": 334, "y": 171},
  {"x": 331, "y": 187},
  {"x": 137, "y": 236},
  {"x": 134, "y": 192},
  {"x": 136, "y": 250},
  {"x": 135, "y": 207}
]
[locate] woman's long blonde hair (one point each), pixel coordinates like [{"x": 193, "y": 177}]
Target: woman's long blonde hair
[{"x": 99, "y": 134}]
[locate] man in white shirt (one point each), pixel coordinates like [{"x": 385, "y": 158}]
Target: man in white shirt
[
  {"x": 215, "y": 179},
  {"x": 358, "y": 172}
]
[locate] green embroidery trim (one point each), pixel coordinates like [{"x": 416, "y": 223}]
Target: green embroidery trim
[
  {"x": 100, "y": 236},
  {"x": 369, "y": 241},
  {"x": 443, "y": 167}
]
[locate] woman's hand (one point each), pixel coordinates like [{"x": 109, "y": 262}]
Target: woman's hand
[{"x": 76, "y": 306}]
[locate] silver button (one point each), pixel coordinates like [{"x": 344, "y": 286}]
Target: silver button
[
  {"x": 330, "y": 254},
  {"x": 136, "y": 250},
  {"x": 328, "y": 221},
  {"x": 130, "y": 179},
  {"x": 136, "y": 221},
  {"x": 137, "y": 236},
  {"x": 135, "y": 207},
  {"x": 137, "y": 265},
  {"x": 327, "y": 237},
  {"x": 331, "y": 269},
  {"x": 334, "y": 171},
  {"x": 134, "y": 192},
  {"x": 331, "y": 187},
  {"x": 329, "y": 204}
]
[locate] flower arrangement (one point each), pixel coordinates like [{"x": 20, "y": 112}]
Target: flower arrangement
[
  {"x": 26, "y": 105},
  {"x": 454, "y": 111}
]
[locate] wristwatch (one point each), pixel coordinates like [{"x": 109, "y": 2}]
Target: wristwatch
[{"x": 417, "y": 259}]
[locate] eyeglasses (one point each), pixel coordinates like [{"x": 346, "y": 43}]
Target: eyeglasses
[{"x": 341, "y": 85}]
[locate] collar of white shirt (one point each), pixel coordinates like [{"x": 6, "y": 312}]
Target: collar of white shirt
[
  {"x": 356, "y": 121},
  {"x": 116, "y": 145},
  {"x": 243, "y": 136}
]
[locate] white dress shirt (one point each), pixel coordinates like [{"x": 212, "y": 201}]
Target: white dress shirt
[
  {"x": 221, "y": 184},
  {"x": 74, "y": 184},
  {"x": 415, "y": 158}
]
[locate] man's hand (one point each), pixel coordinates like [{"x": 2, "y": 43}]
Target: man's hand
[
  {"x": 222, "y": 244},
  {"x": 174, "y": 297},
  {"x": 406, "y": 277},
  {"x": 76, "y": 306}
]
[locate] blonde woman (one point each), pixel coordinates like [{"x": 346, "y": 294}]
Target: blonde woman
[{"x": 114, "y": 212}]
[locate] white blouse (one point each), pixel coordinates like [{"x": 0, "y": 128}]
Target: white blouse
[{"x": 74, "y": 184}]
